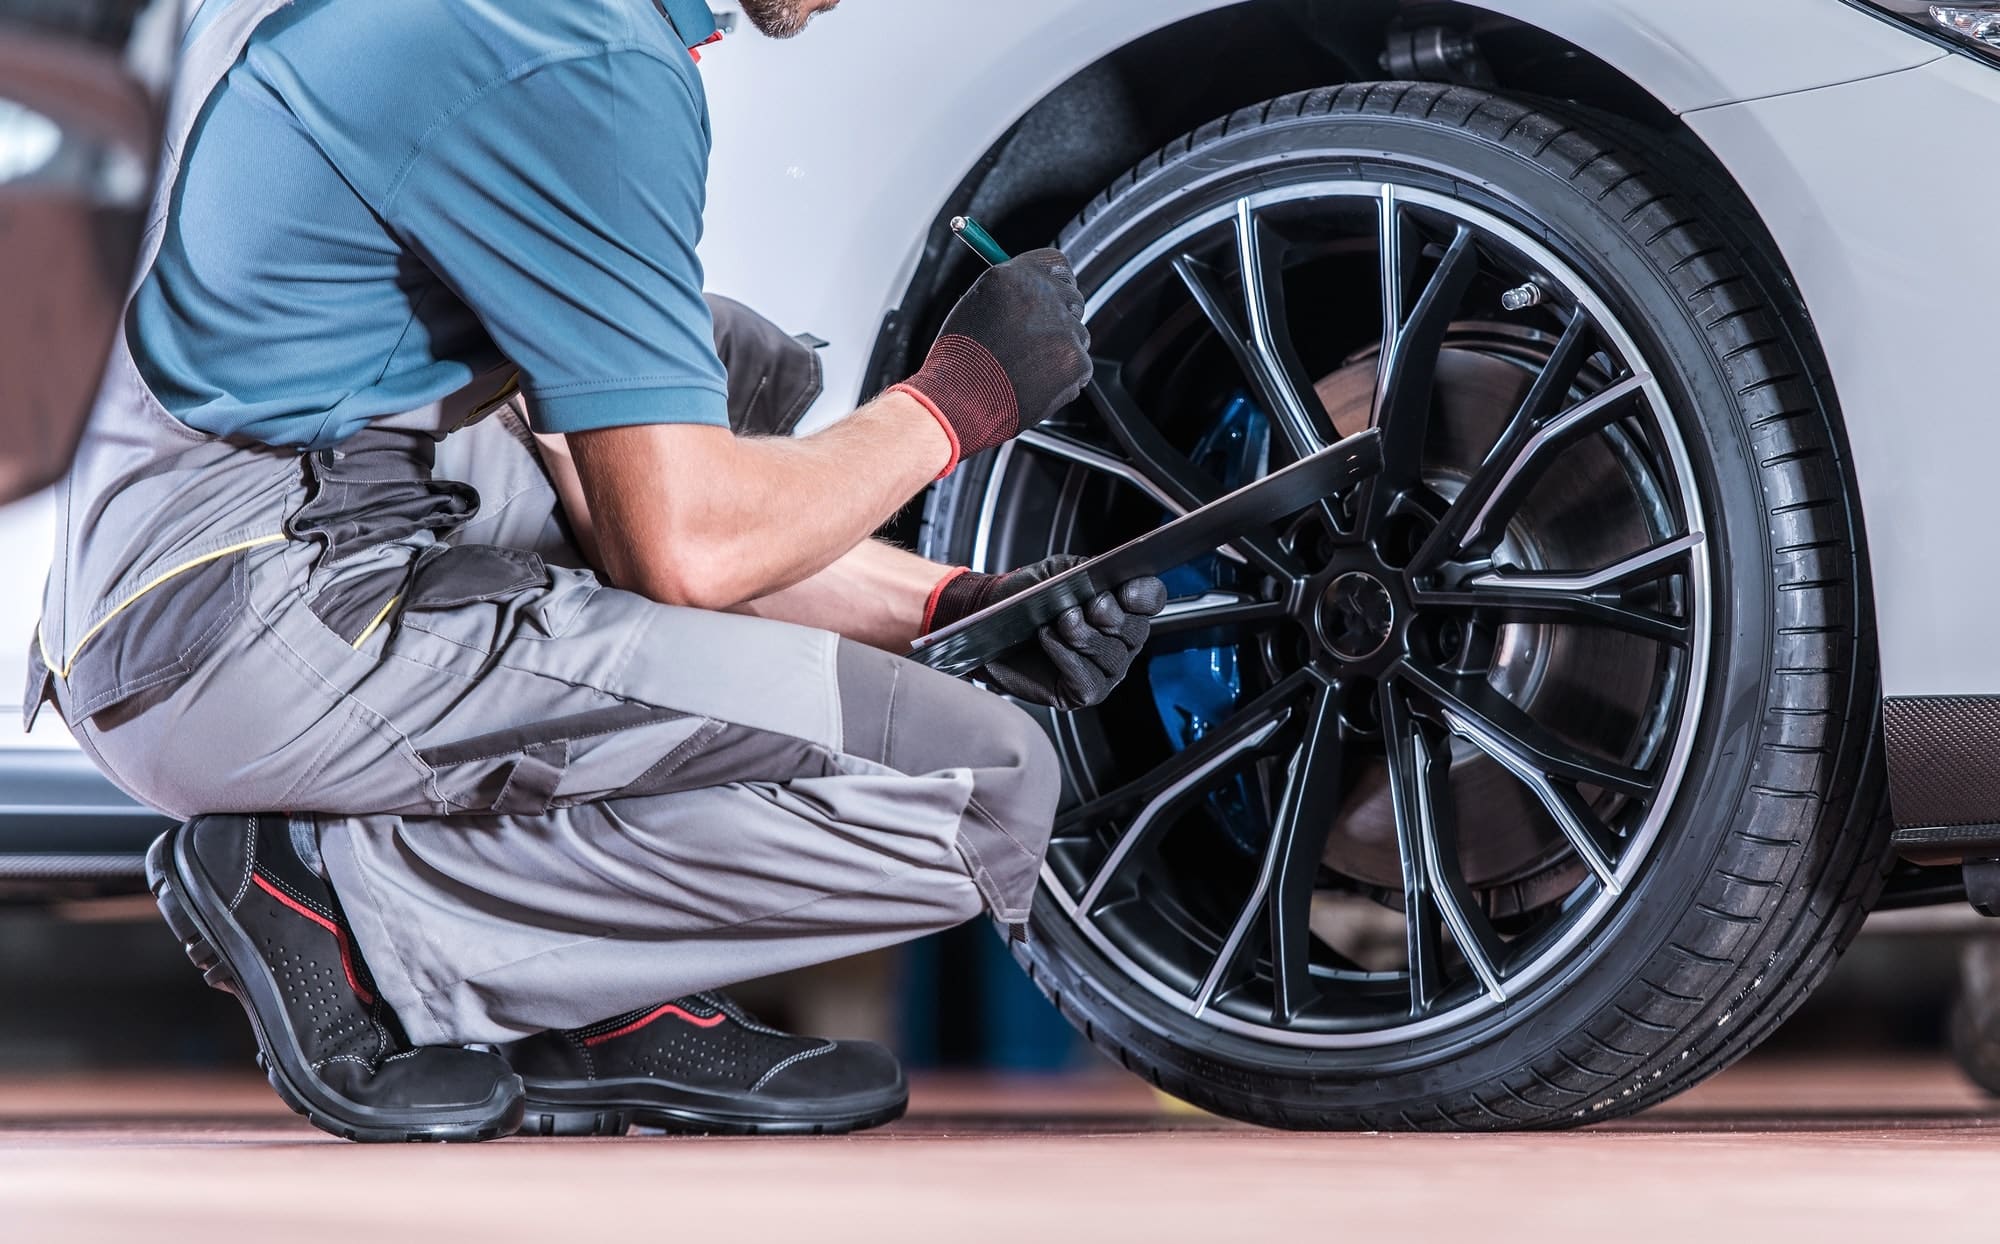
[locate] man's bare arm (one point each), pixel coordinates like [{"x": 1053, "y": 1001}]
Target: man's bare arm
[
  {"x": 694, "y": 515},
  {"x": 875, "y": 595},
  {"x": 691, "y": 515}
]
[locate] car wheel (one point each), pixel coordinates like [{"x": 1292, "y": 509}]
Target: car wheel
[
  {"x": 1975, "y": 1014},
  {"x": 1534, "y": 779}
]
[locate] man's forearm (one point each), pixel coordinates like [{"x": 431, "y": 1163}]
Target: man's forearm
[
  {"x": 696, "y": 516},
  {"x": 875, "y": 595},
  {"x": 690, "y": 515}
]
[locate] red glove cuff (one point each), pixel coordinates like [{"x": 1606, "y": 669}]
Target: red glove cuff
[
  {"x": 937, "y": 594},
  {"x": 951, "y": 434}
]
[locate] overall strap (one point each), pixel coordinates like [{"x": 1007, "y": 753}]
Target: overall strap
[
  {"x": 212, "y": 39},
  {"x": 216, "y": 34}
]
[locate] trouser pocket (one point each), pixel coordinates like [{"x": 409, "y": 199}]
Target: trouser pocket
[
  {"x": 458, "y": 576},
  {"x": 464, "y": 603},
  {"x": 153, "y": 641},
  {"x": 369, "y": 505},
  {"x": 377, "y": 489},
  {"x": 523, "y": 770}
]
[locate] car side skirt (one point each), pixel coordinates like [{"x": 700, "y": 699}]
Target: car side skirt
[{"x": 1944, "y": 775}]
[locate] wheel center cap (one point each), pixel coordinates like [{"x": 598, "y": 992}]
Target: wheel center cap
[{"x": 1356, "y": 615}]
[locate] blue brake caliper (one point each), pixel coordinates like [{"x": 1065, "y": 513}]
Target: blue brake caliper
[{"x": 1195, "y": 690}]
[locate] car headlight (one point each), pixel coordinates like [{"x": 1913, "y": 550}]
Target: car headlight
[
  {"x": 1970, "y": 25},
  {"x": 1978, "y": 26}
]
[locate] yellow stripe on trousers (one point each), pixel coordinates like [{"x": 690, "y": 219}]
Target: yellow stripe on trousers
[
  {"x": 380, "y": 618},
  {"x": 62, "y": 670}
]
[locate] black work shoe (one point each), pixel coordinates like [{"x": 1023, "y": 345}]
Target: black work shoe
[
  {"x": 263, "y": 926},
  {"x": 700, "y": 1065}
]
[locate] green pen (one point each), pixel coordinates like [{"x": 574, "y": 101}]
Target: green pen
[{"x": 974, "y": 234}]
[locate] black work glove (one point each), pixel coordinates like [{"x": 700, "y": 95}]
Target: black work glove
[
  {"x": 1012, "y": 352},
  {"x": 1077, "y": 659}
]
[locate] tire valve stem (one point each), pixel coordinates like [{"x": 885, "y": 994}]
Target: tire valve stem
[{"x": 1522, "y": 296}]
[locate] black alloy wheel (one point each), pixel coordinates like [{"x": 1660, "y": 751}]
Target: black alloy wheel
[{"x": 1470, "y": 797}]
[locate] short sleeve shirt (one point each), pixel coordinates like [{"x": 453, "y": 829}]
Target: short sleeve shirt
[{"x": 387, "y": 199}]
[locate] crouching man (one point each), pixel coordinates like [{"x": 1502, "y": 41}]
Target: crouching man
[{"x": 420, "y": 503}]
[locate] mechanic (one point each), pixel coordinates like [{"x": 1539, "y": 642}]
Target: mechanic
[{"x": 418, "y": 366}]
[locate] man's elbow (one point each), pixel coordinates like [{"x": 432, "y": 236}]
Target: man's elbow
[{"x": 693, "y": 578}]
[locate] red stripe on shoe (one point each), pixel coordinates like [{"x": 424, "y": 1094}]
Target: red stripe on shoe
[
  {"x": 665, "y": 1009},
  {"x": 339, "y": 935}
]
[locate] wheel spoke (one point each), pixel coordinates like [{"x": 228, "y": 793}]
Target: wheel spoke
[
  {"x": 1395, "y": 274},
  {"x": 1185, "y": 485},
  {"x": 1069, "y": 449},
  {"x": 1251, "y": 322},
  {"x": 1074, "y": 451},
  {"x": 1178, "y": 480},
  {"x": 1423, "y": 922},
  {"x": 1282, "y": 378},
  {"x": 1409, "y": 374},
  {"x": 1298, "y": 839},
  {"x": 1470, "y": 698},
  {"x": 1496, "y": 599},
  {"x": 1186, "y": 776},
  {"x": 1193, "y": 614},
  {"x": 1291, "y": 860},
  {"x": 1395, "y": 279},
  {"x": 1590, "y": 598},
  {"x": 1435, "y": 893},
  {"x": 1437, "y": 827},
  {"x": 1207, "y": 287},
  {"x": 1558, "y": 376},
  {"x": 1642, "y": 567},
  {"x": 1591, "y": 838},
  {"x": 1511, "y": 472}
]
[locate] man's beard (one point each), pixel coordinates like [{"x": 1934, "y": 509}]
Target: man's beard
[{"x": 780, "y": 19}]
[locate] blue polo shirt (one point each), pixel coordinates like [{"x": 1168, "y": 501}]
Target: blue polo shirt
[{"x": 387, "y": 198}]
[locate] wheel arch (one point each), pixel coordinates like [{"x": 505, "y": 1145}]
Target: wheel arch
[{"x": 1066, "y": 146}]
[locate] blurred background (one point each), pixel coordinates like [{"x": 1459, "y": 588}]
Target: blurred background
[{"x": 99, "y": 983}]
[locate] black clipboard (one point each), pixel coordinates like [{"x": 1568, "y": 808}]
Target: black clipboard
[{"x": 967, "y": 644}]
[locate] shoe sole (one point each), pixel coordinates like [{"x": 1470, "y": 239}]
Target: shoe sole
[
  {"x": 175, "y": 887},
  {"x": 617, "y": 1116}
]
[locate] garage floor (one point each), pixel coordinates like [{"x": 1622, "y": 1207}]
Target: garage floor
[{"x": 1850, "y": 1149}]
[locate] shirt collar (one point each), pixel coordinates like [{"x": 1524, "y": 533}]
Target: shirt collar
[{"x": 692, "y": 19}]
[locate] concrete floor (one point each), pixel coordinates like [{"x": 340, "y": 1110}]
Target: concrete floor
[{"x": 1877, "y": 1151}]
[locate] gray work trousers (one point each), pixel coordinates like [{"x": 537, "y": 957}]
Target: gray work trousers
[{"x": 542, "y": 801}]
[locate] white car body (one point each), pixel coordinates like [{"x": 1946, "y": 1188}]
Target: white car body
[
  {"x": 1864, "y": 147},
  {"x": 1861, "y": 146}
]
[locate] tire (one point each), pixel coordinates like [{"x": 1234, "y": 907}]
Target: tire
[
  {"x": 1774, "y": 846},
  {"x": 1975, "y": 1014}
]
